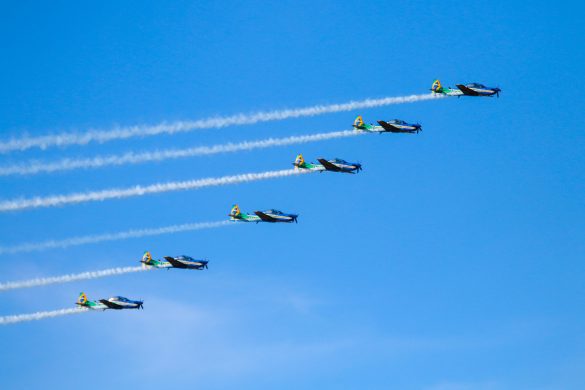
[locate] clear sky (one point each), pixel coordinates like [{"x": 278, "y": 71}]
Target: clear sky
[{"x": 455, "y": 260}]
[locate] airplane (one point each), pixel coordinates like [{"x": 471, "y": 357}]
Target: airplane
[
  {"x": 473, "y": 89},
  {"x": 261, "y": 216},
  {"x": 392, "y": 126},
  {"x": 116, "y": 303},
  {"x": 186, "y": 262},
  {"x": 335, "y": 165},
  {"x": 183, "y": 261}
]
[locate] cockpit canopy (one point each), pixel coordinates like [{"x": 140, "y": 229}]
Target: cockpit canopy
[
  {"x": 272, "y": 211},
  {"x": 398, "y": 122},
  {"x": 476, "y": 85},
  {"x": 340, "y": 161},
  {"x": 185, "y": 257}
]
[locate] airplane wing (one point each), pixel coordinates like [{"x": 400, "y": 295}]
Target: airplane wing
[
  {"x": 109, "y": 304},
  {"x": 388, "y": 127},
  {"x": 264, "y": 217},
  {"x": 328, "y": 166},
  {"x": 467, "y": 91},
  {"x": 175, "y": 263}
]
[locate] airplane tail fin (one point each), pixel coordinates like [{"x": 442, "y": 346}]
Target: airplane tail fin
[
  {"x": 299, "y": 161},
  {"x": 82, "y": 300},
  {"x": 235, "y": 211},
  {"x": 358, "y": 123},
  {"x": 146, "y": 260},
  {"x": 437, "y": 87},
  {"x": 147, "y": 257}
]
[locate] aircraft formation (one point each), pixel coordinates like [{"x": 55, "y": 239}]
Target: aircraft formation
[{"x": 276, "y": 216}]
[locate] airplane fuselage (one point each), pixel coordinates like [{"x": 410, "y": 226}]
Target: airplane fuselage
[{"x": 468, "y": 90}]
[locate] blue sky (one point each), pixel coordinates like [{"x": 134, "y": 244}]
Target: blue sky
[{"x": 453, "y": 261}]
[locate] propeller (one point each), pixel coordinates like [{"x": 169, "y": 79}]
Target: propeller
[{"x": 141, "y": 305}]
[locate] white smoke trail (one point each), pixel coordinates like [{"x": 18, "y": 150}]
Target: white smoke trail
[
  {"x": 94, "y": 239},
  {"x": 70, "y": 278},
  {"x": 117, "y": 193},
  {"x": 35, "y": 167},
  {"x": 65, "y": 139},
  {"x": 40, "y": 315}
]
